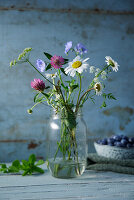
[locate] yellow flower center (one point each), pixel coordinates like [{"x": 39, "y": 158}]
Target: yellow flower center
[
  {"x": 111, "y": 63},
  {"x": 76, "y": 64},
  {"x": 98, "y": 88}
]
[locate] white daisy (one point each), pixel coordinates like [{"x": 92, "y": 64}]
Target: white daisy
[
  {"x": 98, "y": 88},
  {"x": 52, "y": 76},
  {"x": 111, "y": 62},
  {"x": 77, "y": 65},
  {"x": 92, "y": 69},
  {"x": 103, "y": 75}
]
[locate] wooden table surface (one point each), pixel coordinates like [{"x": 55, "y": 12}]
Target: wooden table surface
[{"x": 91, "y": 185}]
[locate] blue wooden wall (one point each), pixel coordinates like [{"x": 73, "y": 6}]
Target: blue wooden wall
[{"x": 105, "y": 27}]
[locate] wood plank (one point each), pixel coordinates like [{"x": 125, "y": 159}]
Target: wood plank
[{"x": 91, "y": 185}]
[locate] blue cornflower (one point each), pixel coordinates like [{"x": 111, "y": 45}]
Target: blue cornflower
[
  {"x": 80, "y": 48},
  {"x": 68, "y": 46},
  {"x": 40, "y": 65}
]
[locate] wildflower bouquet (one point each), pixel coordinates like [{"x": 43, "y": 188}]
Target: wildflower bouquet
[{"x": 66, "y": 96}]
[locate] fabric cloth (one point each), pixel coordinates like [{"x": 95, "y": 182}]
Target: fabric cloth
[{"x": 98, "y": 163}]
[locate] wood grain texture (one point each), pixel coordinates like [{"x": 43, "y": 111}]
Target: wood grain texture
[{"x": 91, "y": 185}]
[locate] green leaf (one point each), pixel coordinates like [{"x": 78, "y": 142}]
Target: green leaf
[
  {"x": 45, "y": 94},
  {"x": 63, "y": 71},
  {"x": 3, "y": 166},
  {"x": 16, "y": 163},
  {"x": 48, "y": 67},
  {"x": 38, "y": 169},
  {"x": 35, "y": 97},
  {"x": 65, "y": 87},
  {"x": 25, "y": 173},
  {"x": 68, "y": 82},
  {"x": 13, "y": 169},
  {"x": 47, "y": 87},
  {"x": 103, "y": 104},
  {"x": 110, "y": 96},
  {"x": 74, "y": 86},
  {"x": 104, "y": 95},
  {"x": 48, "y": 55},
  {"x": 39, "y": 99},
  {"x": 40, "y": 162},
  {"x": 66, "y": 60},
  {"x": 25, "y": 163},
  {"x": 32, "y": 159}
]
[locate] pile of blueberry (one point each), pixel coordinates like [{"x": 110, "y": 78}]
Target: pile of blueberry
[{"x": 118, "y": 141}]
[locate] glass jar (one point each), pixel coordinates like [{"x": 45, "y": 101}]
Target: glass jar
[{"x": 67, "y": 147}]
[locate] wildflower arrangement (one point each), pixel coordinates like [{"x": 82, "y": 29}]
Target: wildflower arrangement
[{"x": 64, "y": 95}]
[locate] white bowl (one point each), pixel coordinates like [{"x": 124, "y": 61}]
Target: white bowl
[{"x": 114, "y": 152}]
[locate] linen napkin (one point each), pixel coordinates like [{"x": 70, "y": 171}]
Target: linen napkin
[{"x": 99, "y": 163}]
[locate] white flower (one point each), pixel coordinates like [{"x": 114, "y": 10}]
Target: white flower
[
  {"x": 57, "y": 96},
  {"x": 98, "y": 88},
  {"x": 97, "y": 71},
  {"x": 111, "y": 62},
  {"x": 52, "y": 76},
  {"x": 77, "y": 65},
  {"x": 103, "y": 75},
  {"x": 96, "y": 79},
  {"x": 92, "y": 69}
]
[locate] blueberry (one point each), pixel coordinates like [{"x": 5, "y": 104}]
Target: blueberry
[
  {"x": 110, "y": 140},
  {"x": 124, "y": 141},
  {"x": 129, "y": 145},
  {"x": 131, "y": 140},
  {"x": 117, "y": 138},
  {"x": 117, "y": 144},
  {"x": 104, "y": 141},
  {"x": 125, "y": 137}
]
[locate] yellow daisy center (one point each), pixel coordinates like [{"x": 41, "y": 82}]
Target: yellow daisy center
[
  {"x": 98, "y": 87},
  {"x": 76, "y": 64},
  {"x": 111, "y": 63}
]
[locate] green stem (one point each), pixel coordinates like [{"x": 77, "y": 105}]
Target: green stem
[
  {"x": 57, "y": 150},
  {"x": 60, "y": 76},
  {"x": 79, "y": 89},
  {"x": 38, "y": 71},
  {"x": 35, "y": 105},
  {"x": 75, "y": 149},
  {"x": 62, "y": 84},
  {"x": 62, "y": 133},
  {"x": 107, "y": 66},
  {"x": 85, "y": 94},
  {"x": 77, "y": 106}
]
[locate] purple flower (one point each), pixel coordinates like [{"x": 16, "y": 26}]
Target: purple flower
[
  {"x": 40, "y": 65},
  {"x": 68, "y": 46},
  {"x": 38, "y": 84},
  {"x": 80, "y": 48},
  {"x": 57, "y": 61}
]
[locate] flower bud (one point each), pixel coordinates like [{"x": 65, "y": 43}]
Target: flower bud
[{"x": 29, "y": 111}]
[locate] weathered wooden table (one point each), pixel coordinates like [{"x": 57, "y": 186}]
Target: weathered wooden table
[{"x": 91, "y": 185}]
